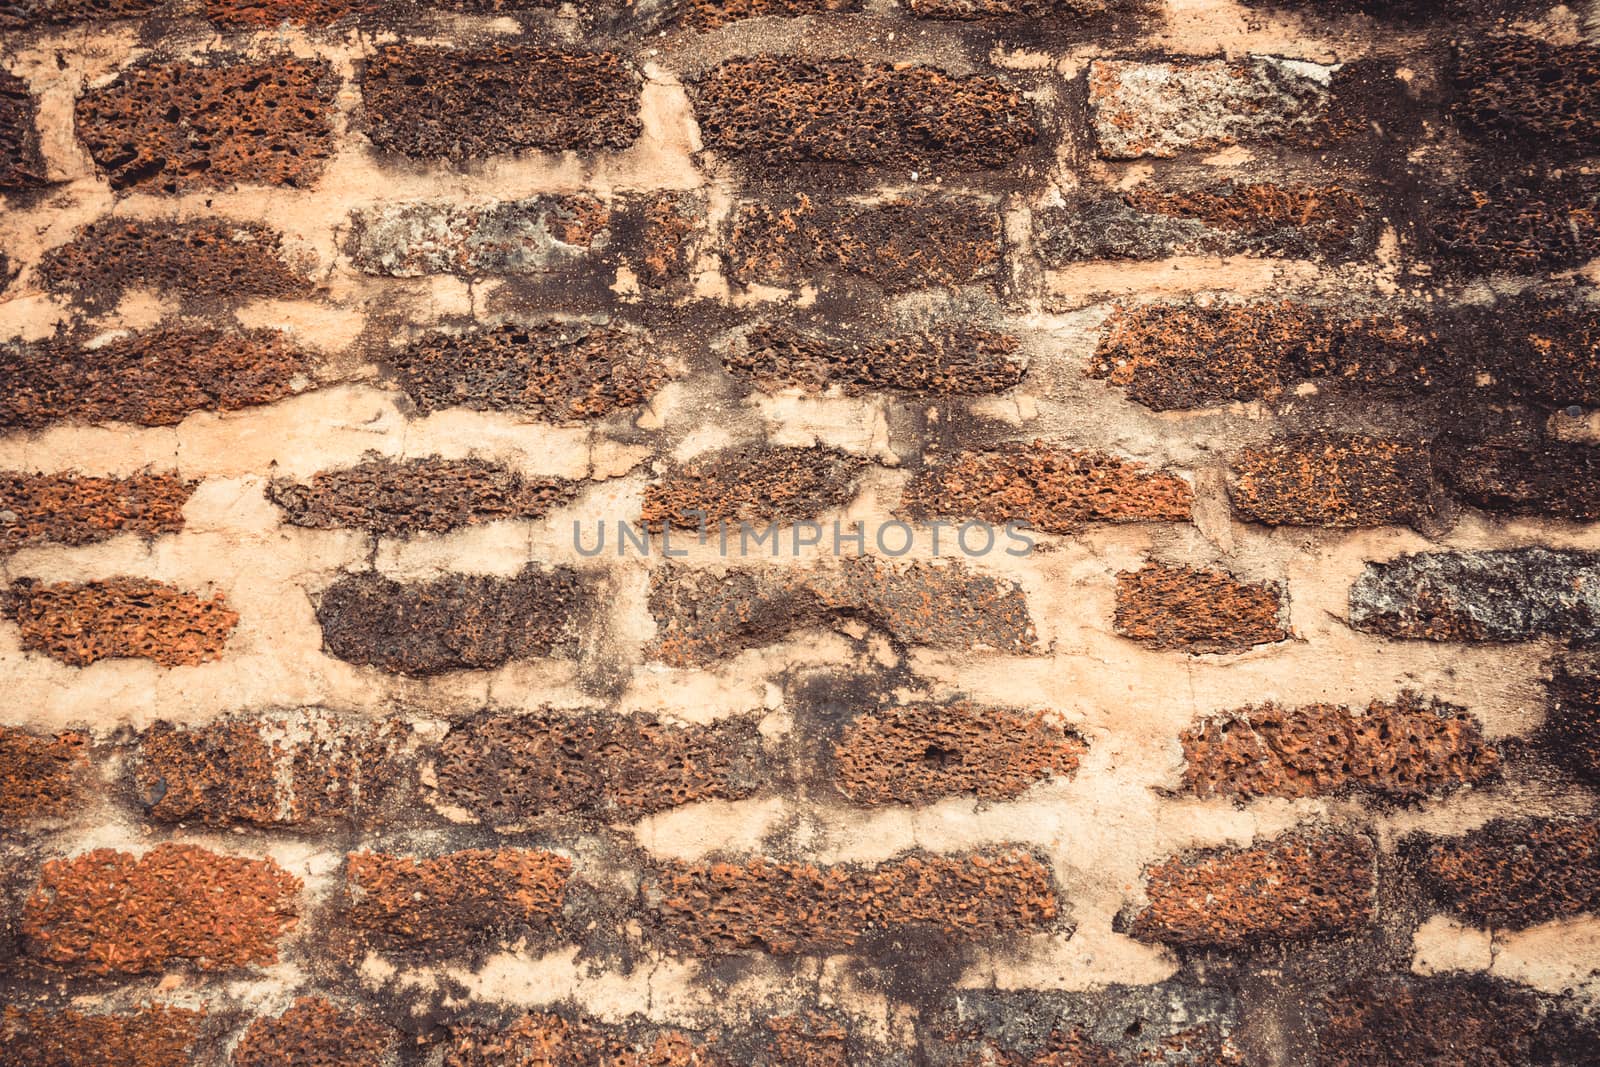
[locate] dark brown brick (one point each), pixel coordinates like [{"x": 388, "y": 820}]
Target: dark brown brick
[
  {"x": 977, "y": 10},
  {"x": 752, "y": 484},
  {"x": 39, "y": 776},
  {"x": 469, "y": 103},
  {"x": 457, "y": 902},
  {"x": 432, "y": 495},
  {"x": 178, "y": 126},
  {"x": 1535, "y": 478},
  {"x": 1338, "y": 480},
  {"x": 783, "y": 110},
  {"x": 1405, "y": 749},
  {"x": 154, "y": 378},
  {"x": 21, "y": 163},
  {"x": 1057, "y": 490},
  {"x": 515, "y": 769},
  {"x": 313, "y": 1033},
  {"x": 717, "y": 909},
  {"x": 545, "y": 1039},
  {"x": 1294, "y": 888},
  {"x": 560, "y": 371},
  {"x": 898, "y": 245},
  {"x": 949, "y": 361},
  {"x": 1166, "y": 606},
  {"x": 455, "y": 623},
  {"x": 666, "y": 246},
  {"x": 703, "y": 615},
  {"x": 709, "y": 14},
  {"x": 1515, "y": 873},
  {"x": 69, "y": 509},
  {"x": 1572, "y": 716},
  {"x": 1517, "y": 222},
  {"x": 1544, "y": 96},
  {"x": 79, "y": 623},
  {"x": 153, "y": 1036},
  {"x": 1546, "y": 349},
  {"x": 922, "y": 752},
  {"x": 28, "y": 14},
  {"x": 109, "y": 912}
]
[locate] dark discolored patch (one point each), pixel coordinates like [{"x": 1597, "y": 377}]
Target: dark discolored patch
[
  {"x": 1166, "y": 606},
  {"x": 545, "y": 1039},
  {"x": 1552, "y": 478},
  {"x": 1519, "y": 222},
  {"x": 39, "y": 776},
  {"x": 28, "y": 14},
  {"x": 313, "y": 1032},
  {"x": 298, "y": 12},
  {"x": 70, "y": 509},
  {"x": 1514, "y": 873},
  {"x": 1342, "y": 481},
  {"x": 1543, "y": 96},
  {"x": 1572, "y": 719},
  {"x": 153, "y": 1036},
  {"x": 80, "y": 623},
  {"x": 751, "y": 484},
  {"x": 949, "y": 361},
  {"x": 21, "y": 162}
]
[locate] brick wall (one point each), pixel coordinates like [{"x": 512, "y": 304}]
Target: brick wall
[{"x": 334, "y": 333}]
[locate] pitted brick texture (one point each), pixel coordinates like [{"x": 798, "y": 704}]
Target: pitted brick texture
[
  {"x": 1053, "y": 489},
  {"x": 717, "y": 909},
  {"x": 1545, "y": 95},
  {"x": 1515, "y": 873},
  {"x": 513, "y": 769},
  {"x": 948, "y": 361},
  {"x": 979, "y": 10},
  {"x": 21, "y": 164},
  {"x": 464, "y": 104},
  {"x": 1342, "y": 481},
  {"x": 402, "y": 497},
  {"x": 39, "y": 776},
  {"x": 178, "y": 126},
  {"x": 70, "y": 509},
  {"x": 80, "y": 623},
  {"x": 459, "y": 622},
  {"x": 1572, "y": 719},
  {"x": 313, "y": 1033},
  {"x": 922, "y": 752},
  {"x": 535, "y": 235},
  {"x": 299, "y": 12},
  {"x": 27, "y": 14},
  {"x": 1294, "y": 888},
  {"x": 702, "y": 616},
  {"x": 544, "y": 1039},
  {"x": 153, "y": 1036},
  {"x": 1542, "y": 478},
  {"x": 779, "y": 110},
  {"x": 1519, "y": 222},
  {"x": 710, "y": 14},
  {"x": 1165, "y": 606},
  {"x": 1494, "y": 595},
  {"x": 108, "y": 912},
  {"x": 1405, "y": 749},
  {"x": 559, "y": 371},
  {"x": 754, "y": 485},
  {"x": 455, "y": 903}
]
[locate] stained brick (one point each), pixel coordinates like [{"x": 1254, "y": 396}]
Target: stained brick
[
  {"x": 313, "y": 1033},
  {"x": 27, "y": 14},
  {"x": 1517, "y": 222},
  {"x": 710, "y": 14},
  {"x": 153, "y": 1036},
  {"x": 79, "y": 623},
  {"x": 898, "y": 245},
  {"x": 432, "y": 495},
  {"x": 21, "y": 164},
  {"x": 454, "y": 623},
  {"x": 779, "y": 110},
  {"x": 1495, "y": 595},
  {"x": 560, "y": 371},
  {"x": 1405, "y": 749},
  {"x": 269, "y": 770},
  {"x": 1337, "y": 480},
  {"x": 1572, "y": 717},
  {"x": 1294, "y": 888},
  {"x": 950, "y": 361},
  {"x": 534, "y": 235},
  {"x": 456, "y": 902},
  {"x": 276, "y": 12},
  {"x": 1166, "y": 606},
  {"x": 922, "y": 752},
  {"x": 109, "y": 912},
  {"x": 1547, "y": 349},
  {"x": 702, "y": 615},
  {"x": 981, "y": 10},
  {"x": 1054, "y": 489},
  {"x": 1528, "y": 478},
  {"x": 1545, "y": 96},
  {"x": 70, "y": 509},
  {"x": 1515, "y": 873},
  {"x": 755, "y": 485},
  {"x": 179, "y": 126},
  {"x": 39, "y": 776},
  {"x": 469, "y": 103},
  {"x": 721, "y": 908},
  {"x": 550, "y": 1040}
]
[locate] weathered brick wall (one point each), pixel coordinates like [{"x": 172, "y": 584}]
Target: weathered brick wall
[{"x": 325, "y": 742}]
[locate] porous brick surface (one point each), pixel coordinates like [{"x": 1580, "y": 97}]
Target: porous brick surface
[
  {"x": 1197, "y": 609},
  {"x": 79, "y": 623},
  {"x": 545, "y": 1037},
  {"x": 1515, "y": 873},
  {"x": 749, "y": 485},
  {"x": 1342, "y": 482},
  {"x": 39, "y": 775},
  {"x": 313, "y": 1031},
  {"x": 1554, "y": 478},
  {"x": 946, "y": 361},
  {"x": 1542, "y": 94},
  {"x": 72, "y": 509},
  {"x": 1572, "y": 721},
  {"x": 21, "y": 163},
  {"x": 1521, "y": 220},
  {"x": 153, "y": 1036}
]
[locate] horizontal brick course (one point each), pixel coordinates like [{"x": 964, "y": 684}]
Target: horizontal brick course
[
  {"x": 313, "y": 1032},
  {"x": 1519, "y": 222},
  {"x": 40, "y": 776},
  {"x": 1341, "y": 481},
  {"x": 71, "y": 509},
  {"x": 534, "y": 235},
  {"x": 948, "y": 361},
  {"x": 1165, "y": 606},
  {"x": 27, "y": 14},
  {"x": 79, "y": 623},
  {"x": 153, "y": 1036},
  {"x": 1515, "y": 873},
  {"x": 546, "y": 1038},
  {"x": 759, "y": 484},
  {"x": 981, "y": 10}
]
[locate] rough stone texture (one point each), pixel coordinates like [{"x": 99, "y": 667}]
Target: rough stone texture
[
  {"x": 1543, "y": 478},
  {"x": 459, "y": 622},
  {"x": 977, "y": 10},
  {"x": 79, "y": 623},
  {"x": 276, "y": 12},
  {"x": 510, "y": 769},
  {"x": 1053, "y": 489},
  {"x": 26, "y": 14},
  {"x": 431, "y": 495},
  {"x": 1197, "y": 610},
  {"x": 782, "y": 110},
  {"x": 108, "y": 912},
  {"x": 21, "y": 164},
  {"x": 554, "y": 370},
  {"x": 1406, "y": 749},
  {"x": 898, "y": 245},
  {"x": 1545, "y": 96},
  {"x": 1572, "y": 717},
  {"x": 1519, "y": 221},
  {"x": 39, "y": 776},
  {"x": 717, "y": 909},
  {"x": 1515, "y": 873},
  {"x": 1343, "y": 481},
  {"x": 153, "y": 1036},
  {"x": 1548, "y": 350},
  {"x": 544, "y": 1039},
  {"x": 1294, "y": 888},
  {"x": 922, "y": 752},
  {"x": 710, "y": 14},
  {"x": 535, "y": 235},
  {"x": 177, "y": 126},
  {"x": 455, "y": 903},
  {"x": 755, "y": 485},
  {"x": 1495, "y": 595},
  {"x": 465, "y": 104},
  {"x": 71, "y": 509},
  {"x": 951, "y": 361},
  {"x": 702, "y": 615},
  {"x": 313, "y": 1033}
]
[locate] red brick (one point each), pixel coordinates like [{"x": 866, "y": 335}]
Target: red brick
[
  {"x": 1515, "y": 873},
  {"x": 1335, "y": 480},
  {"x": 314, "y": 1033},
  {"x": 21, "y": 163},
  {"x": 949, "y": 361},
  {"x": 544, "y": 1039},
  {"x": 108, "y": 912},
  {"x": 752, "y": 484},
  {"x": 39, "y": 776},
  {"x": 1165, "y": 606},
  {"x": 70, "y": 509},
  {"x": 154, "y": 1036},
  {"x": 80, "y": 623}
]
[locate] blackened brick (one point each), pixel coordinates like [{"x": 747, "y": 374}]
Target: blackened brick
[
  {"x": 80, "y": 623},
  {"x": 70, "y": 509},
  {"x": 39, "y": 776},
  {"x": 1543, "y": 95},
  {"x": 952, "y": 361},
  {"x": 1515, "y": 873},
  {"x": 1197, "y": 609},
  {"x": 1341, "y": 481},
  {"x": 1528, "y": 478},
  {"x": 153, "y": 1036},
  {"x": 1517, "y": 222},
  {"x": 755, "y": 485},
  {"x": 1572, "y": 716},
  {"x": 535, "y": 235},
  {"x": 21, "y": 164},
  {"x": 313, "y": 1033}
]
